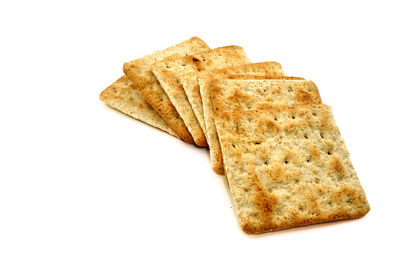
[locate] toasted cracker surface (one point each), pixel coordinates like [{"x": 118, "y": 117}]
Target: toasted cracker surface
[
  {"x": 139, "y": 73},
  {"x": 191, "y": 86},
  {"x": 123, "y": 96},
  {"x": 233, "y": 94},
  {"x": 287, "y": 167},
  {"x": 236, "y": 94},
  {"x": 202, "y": 93},
  {"x": 170, "y": 74}
]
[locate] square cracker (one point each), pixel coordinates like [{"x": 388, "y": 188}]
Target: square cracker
[
  {"x": 251, "y": 92},
  {"x": 191, "y": 87},
  {"x": 123, "y": 96},
  {"x": 202, "y": 94},
  {"x": 237, "y": 95},
  {"x": 139, "y": 73},
  {"x": 170, "y": 74},
  {"x": 288, "y": 172}
]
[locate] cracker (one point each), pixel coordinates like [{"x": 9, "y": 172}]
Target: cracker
[
  {"x": 288, "y": 167},
  {"x": 215, "y": 150},
  {"x": 170, "y": 74},
  {"x": 199, "y": 98},
  {"x": 191, "y": 87},
  {"x": 234, "y": 95},
  {"x": 196, "y": 94},
  {"x": 123, "y": 96},
  {"x": 139, "y": 73}
]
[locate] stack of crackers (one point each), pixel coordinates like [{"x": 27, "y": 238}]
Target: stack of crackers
[{"x": 277, "y": 144}]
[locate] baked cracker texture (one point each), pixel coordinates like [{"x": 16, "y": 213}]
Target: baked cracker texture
[
  {"x": 191, "y": 86},
  {"x": 170, "y": 74},
  {"x": 201, "y": 95},
  {"x": 123, "y": 96},
  {"x": 190, "y": 83},
  {"x": 200, "y": 92},
  {"x": 288, "y": 167},
  {"x": 236, "y": 95},
  {"x": 139, "y": 73},
  {"x": 241, "y": 85}
]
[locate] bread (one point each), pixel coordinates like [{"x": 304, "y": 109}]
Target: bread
[
  {"x": 287, "y": 167},
  {"x": 123, "y": 96},
  {"x": 170, "y": 74},
  {"x": 139, "y": 73}
]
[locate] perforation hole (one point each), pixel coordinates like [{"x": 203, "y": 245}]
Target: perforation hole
[
  {"x": 306, "y": 136},
  {"x": 293, "y": 117},
  {"x": 275, "y": 119},
  {"x": 233, "y": 146},
  {"x": 322, "y": 136},
  {"x": 266, "y": 162},
  {"x": 314, "y": 113},
  {"x": 308, "y": 160},
  {"x": 329, "y": 153},
  {"x": 256, "y": 143},
  {"x": 286, "y": 161}
]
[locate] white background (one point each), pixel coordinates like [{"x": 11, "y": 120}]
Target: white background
[{"x": 83, "y": 185}]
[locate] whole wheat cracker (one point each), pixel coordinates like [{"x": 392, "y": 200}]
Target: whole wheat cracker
[
  {"x": 287, "y": 167},
  {"x": 205, "y": 87},
  {"x": 199, "y": 97},
  {"x": 139, "y": 73},
  {"x": 123, "y": 96},
  {"x": 170, "y": 74},
  {"x": 234, "y": 94},
  {"x": 191, "y": 87},
  {"x": 190, "y": 82},
  {"x": 196, "y": 93}
]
